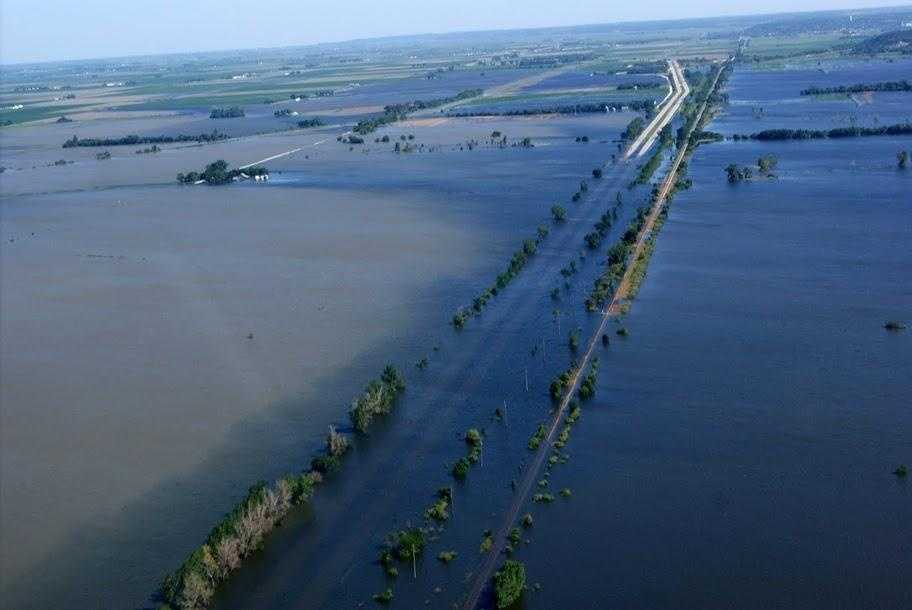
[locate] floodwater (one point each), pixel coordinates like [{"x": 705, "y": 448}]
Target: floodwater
[
  {"x": 771, "y": 99},
  {"x": 740, "y": 447},
  {"x": 738, "y": 452},
  {"x": 166, "y": 346}
]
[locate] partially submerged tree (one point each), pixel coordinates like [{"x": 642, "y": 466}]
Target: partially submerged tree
[
  {"x": 559, "y": 213},
  {"x": 509, "y": 583}
]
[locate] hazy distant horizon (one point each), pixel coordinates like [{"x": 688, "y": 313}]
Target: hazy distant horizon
[{"x": 100, "y": 29}]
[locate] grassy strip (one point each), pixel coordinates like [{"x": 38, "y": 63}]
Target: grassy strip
[{"x": 649, "y": 168}]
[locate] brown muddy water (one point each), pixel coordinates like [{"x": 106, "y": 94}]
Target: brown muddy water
[{"x": 163, "y": 347}]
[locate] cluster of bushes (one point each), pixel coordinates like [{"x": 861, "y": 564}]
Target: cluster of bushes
[
  {"x": 308, "y": 123},
  {"x": 519, "y": 260},
  {"x": 766, "y": 164},
  {"x": 282, "y": 112},
  {"x": 573, "y": 340},
  {"x": 336, "y": 446},
  {"x": 102, "y": 156},
  {"x": 396, "y": 112},
  {"x": 238, "y": 534},
  {"x": 569, "y": 270},
  {"x": 378, "y": 398},
  {"x": 133, "y": 140},
  {"x": 438, "y": 511},
  {"x": 603, "y": 226},
  {"x": 587, "y": 387},
  {"x": 606, "y": 284},
  {"x": 902, "y": 85},
  {"x": 898, "y": 129},
  {"x": 217, "y": 172},
  {"x": 581, "y": 108},
  {"x": 509, "y": 583},
  {"x": 464, "y": 464},
  {"x": 537, "y": 437},
  {"x": 902, "y": 159},
  {"x": 404, "y": 545},
  {"x": 737, "y": 173},
  {"x": 145, "y": 151},
  {"x": 231, "y": 112},
  {"x": 561, "y": 382}
]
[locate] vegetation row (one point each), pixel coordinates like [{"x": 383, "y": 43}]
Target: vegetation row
[
  {"x": 133, "y": 140},
  {"x": 581, "y": 108},
  {"x": 242, "y": 531},
  {"x": 396, "y": 112},
  {"x": 902, "y": 85},
  {"x": 898, "y": 129}
]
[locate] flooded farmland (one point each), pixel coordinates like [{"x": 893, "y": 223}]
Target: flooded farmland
[
  {"x": 199, "y": 339},
  {"x": 668, "y": 377}
]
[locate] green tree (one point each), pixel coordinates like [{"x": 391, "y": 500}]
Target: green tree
[
  {"x": 509, "y": 583},
  {"x": 559, "y": 213},
  {"x": 767, "y": 164}
]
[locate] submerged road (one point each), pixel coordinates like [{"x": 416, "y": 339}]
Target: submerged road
[
  {"x": 485, "y": 572},
  {"x": 280, "y": 155}
]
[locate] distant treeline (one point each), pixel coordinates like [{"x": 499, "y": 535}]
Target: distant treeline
[
  {"x": 590, "y": 107},
  {"x": 899, "y": 129},
  {"x": 628, "y": 86},
  {"x": 226, "y": 113},
  {"x": 902, "y": 85},
  {"x": 654, "y": 67},
  {"x": 396, "y": 112},
  {"x": 133, "y": 140}
]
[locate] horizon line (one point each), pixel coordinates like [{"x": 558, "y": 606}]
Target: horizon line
[{"x": 345, "y": 41}]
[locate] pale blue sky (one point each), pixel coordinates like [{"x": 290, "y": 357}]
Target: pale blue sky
[{"x": 40, "y": 30}]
